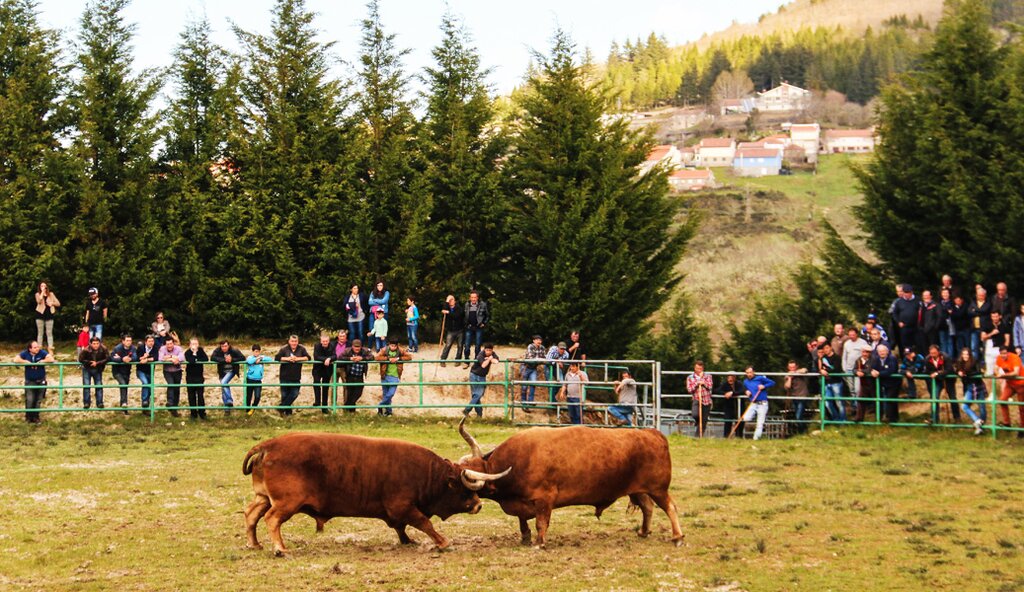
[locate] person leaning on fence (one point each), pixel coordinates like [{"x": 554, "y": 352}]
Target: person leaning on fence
[
  {"x": 121, "y": 358},
  {"x": 93, "y": 360},
  {"x": 625, "y": 389},
  {"x": 796, "y": 389},
  {"x": 885, "y": 369},
  {"x": 46, "y": 309},
  {"x": 146, "y": 354},
  {"x": 478, "y": 378},
  {"x": 866, "y": 383},
  {"x": 171, "y": 356},
  {"x": 323, "y": 372},
  {"x": 255, "y": 369},
  {"x": 34, "y": 356},
  {"x": 911, "y": 365},
  {"x": 1008, "y": 369},
  {"x": 699, "y": 385},
  {"x": 830, "y": 367},
  {"x": 572, "y": 392},
  {"x": 941, "y": 376},
  {"x": 291, "y": 356},
  {"x": 390, "y": 373},
  {"x": 355, "y": 358},
  {"x": 195, "y": 356},
  {"x": 556, "y": 357},
  {"x": 534, "y": 352},
  {"x": 732, "y": 397},
  {"x": 228, "y": 367},
  {"x": 969, "y": 371},
  {"x": 454, "y": 323},
  {"x": 757, "y": 393}
]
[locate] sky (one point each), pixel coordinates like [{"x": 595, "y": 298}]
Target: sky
[{"x": 503, "y": 32}]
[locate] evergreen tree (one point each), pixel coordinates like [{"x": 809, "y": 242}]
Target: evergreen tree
[
  {"x": 688, "y": 92},
  {"x": 594, "y": 244},
  {"x": 719, "y": 63},
  {"x": 463, "y": 234},
  {"x": 390, "y": 200},
  {"x": 289, "y": 242},
  {"x": 36, "y": 177},
  {"x": 116, "y": 237},
  {"x": 943, "y": 192}
]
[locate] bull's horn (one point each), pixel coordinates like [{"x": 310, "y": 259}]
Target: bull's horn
[
  {"x": 475, "y": 481},
  {"x": 473, "y": 446}
]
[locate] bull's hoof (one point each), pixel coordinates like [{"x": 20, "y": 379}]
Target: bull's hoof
[
  {"x": 678, "y": 541},
  {"x": 643, "y": 534},
  {"x": 279, "y": 552},
  {"x": 526, "y": 541},
  {"x": 257, "y": 546},
  {"x": 539, "y": 546},
  {"x": 447, "y": 548}
]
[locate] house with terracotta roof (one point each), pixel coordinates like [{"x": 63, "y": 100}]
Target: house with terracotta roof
[
  {"x": 856, "y": 141},
  {"x": 716, "y": 152},
  {"x": 689, "y": 154},
  {"x": 784, "y": 97},
  {"x": 807, "y": 136},
  {"x": 692, "y": 179},
  {"x": 664, "y": 153},
  {"x": 744, "y": 105},
  {"x": 757, "y": 162}
]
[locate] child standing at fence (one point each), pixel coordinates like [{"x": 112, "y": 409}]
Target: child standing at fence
[
  {"x": 757, "y": 391},
  {"x": 412, "y": 321},
  {"x": 83, "y": 340},
  {"x": 254, "y": 371}
]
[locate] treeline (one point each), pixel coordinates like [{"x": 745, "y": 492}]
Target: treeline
[
  {"x": 648, "y": 73},
  {"x": 942, "y": 195},
  {"x": 265, "y": 187}
]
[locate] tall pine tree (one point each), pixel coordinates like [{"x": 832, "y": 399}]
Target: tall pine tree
[{"x": 594, "y": 243}]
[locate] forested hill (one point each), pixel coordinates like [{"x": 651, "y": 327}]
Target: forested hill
[{"x": 847, "y": 51}]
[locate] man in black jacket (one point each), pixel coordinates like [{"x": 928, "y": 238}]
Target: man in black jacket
[
  {"x": 454, "y": 324},
  {"x": 293, "y": 355},
  {"x": 477, "y": 317},
  {"x": 195, "y": 356},
  {"x": 933, "y": 318},
  {"x": 122, "y": 355},
  {"x": 228, "y": 359},
  {"x": 93, "y": 359},
  {"x": 885, "y": 369},
  {"x": 906, "y": 317},
  {"x": 355, "y": 359},
  {"x": 323, "y": 358}
]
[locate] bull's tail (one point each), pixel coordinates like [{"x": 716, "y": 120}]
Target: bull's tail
[{"x": 251, "y": 458}]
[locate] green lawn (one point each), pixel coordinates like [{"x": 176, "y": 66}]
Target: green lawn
[
  {"x": 833, "y": 186},
  {"x": 104, "y": 504}
]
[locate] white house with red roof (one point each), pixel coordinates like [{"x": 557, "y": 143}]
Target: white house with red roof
[
  {"x": 716, "y": 152},
  {"x": 784, "y": 97},
  {"x": 666, "y": 153},
  {"x": 692, "y": 179},
  {"x": 855, "y": 141},
  {"x": 807, "y": 136}
]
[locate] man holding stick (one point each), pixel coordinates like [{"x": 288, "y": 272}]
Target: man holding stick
[
  {"x": 453, "y": 322},
  {"x": 699, "y": 385}
]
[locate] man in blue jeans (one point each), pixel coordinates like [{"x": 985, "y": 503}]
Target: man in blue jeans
[
  {"x": 626, "y": 390},
  {"x": 830, "y": 369},
  {"x": 228, "y": 360},
  {"x": 35, "y": 378},
  {"x": 477, "y": 316},
  {"x": 390, "y": 373},
  {"x": 146, "y": 354},
  {"x": 572, "y": 387},
  {"x": 531, "y": 366},
  {"x": 478, "y": 378}
]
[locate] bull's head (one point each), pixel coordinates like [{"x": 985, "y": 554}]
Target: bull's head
[
  {"x": 475, "y": 464},
  {"x": 461, "y": 491}
]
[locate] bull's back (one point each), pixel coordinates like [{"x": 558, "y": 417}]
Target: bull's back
[
  {"x": 583, "y": 466},
  {"x": 339, "y": 474}
]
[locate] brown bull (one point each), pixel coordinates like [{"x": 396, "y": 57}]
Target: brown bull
[
  {"x": 332, "y": 475},
  {"x": 577, "y": 466}
]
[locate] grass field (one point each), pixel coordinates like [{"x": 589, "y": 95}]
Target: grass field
[{"x": 100, "y": 505}]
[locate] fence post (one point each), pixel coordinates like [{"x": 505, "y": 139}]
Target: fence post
[
  {"x": 507, "y": 388},
  {"x": 656, "y": 379},
  {"x": 60, "y": 385},
  {"x": 821, "y": 401},
  {"x": 334, "y": 388},
  {"x": 992, "y": 408},
  {"x": 878, "y": 400}
]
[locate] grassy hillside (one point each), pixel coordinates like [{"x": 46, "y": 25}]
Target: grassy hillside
[
  {"x": 854, "y": 15},
  {"x": 755, "y": 232}
]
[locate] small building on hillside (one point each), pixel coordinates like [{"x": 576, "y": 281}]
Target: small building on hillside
[
  {"x": 692, "y": 179},
  {"x": 856, "y": 141},
  {"x": 689, "y": 154},
  {"x": 744, "y": 105},
  {"x": 784, "y": 97},
  {"x": 757, "y": 162},
  {"x": 716, "y": 152},
  {"x": 664, "y": 153},
  {"x": 807, "y": 136}
]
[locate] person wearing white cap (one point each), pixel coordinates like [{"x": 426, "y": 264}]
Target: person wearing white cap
[{"x": 95, "y": 313}]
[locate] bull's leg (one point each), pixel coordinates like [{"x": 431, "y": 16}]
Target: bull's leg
[
  {"x": 543, "y": 518},
  {"x": 420, "y": 522},
  {"x": 646, "y": 505},
  {"x": 319, "y": 523},
  {"x": 256, "y": 509},
  {"x": 664, "y": 501},
  {"x": 524, "y": 529},
  {"x": 402, "y": 536},
  {"x": 276, "y": 516}
]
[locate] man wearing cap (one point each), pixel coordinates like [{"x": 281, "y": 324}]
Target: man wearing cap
[
  {"x": 95, "y": 313},
  {"x": 534, "y": 351},
  {"x": 911, "y": 364},
  {"x": 556, "y": 368},
  {"x": 1008, "y": 368},
  {"x": 872, "y": 323},
  {"x": 906, "y": 317}
]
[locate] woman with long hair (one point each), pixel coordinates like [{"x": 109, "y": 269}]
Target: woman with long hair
[
  {"x": 355, "y": 308},
  {"x": 46, "y": 309},
  {"x": 969, "y": 371},
  {"x": 380, "y": 297}
]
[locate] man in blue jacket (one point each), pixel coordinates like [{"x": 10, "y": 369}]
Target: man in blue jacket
[
  {"x": 885, "y": 368},
  {"x": 757, "y": 392}
]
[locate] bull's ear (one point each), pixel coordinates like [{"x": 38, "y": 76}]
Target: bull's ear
[{"x": 454, "y": 482}]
